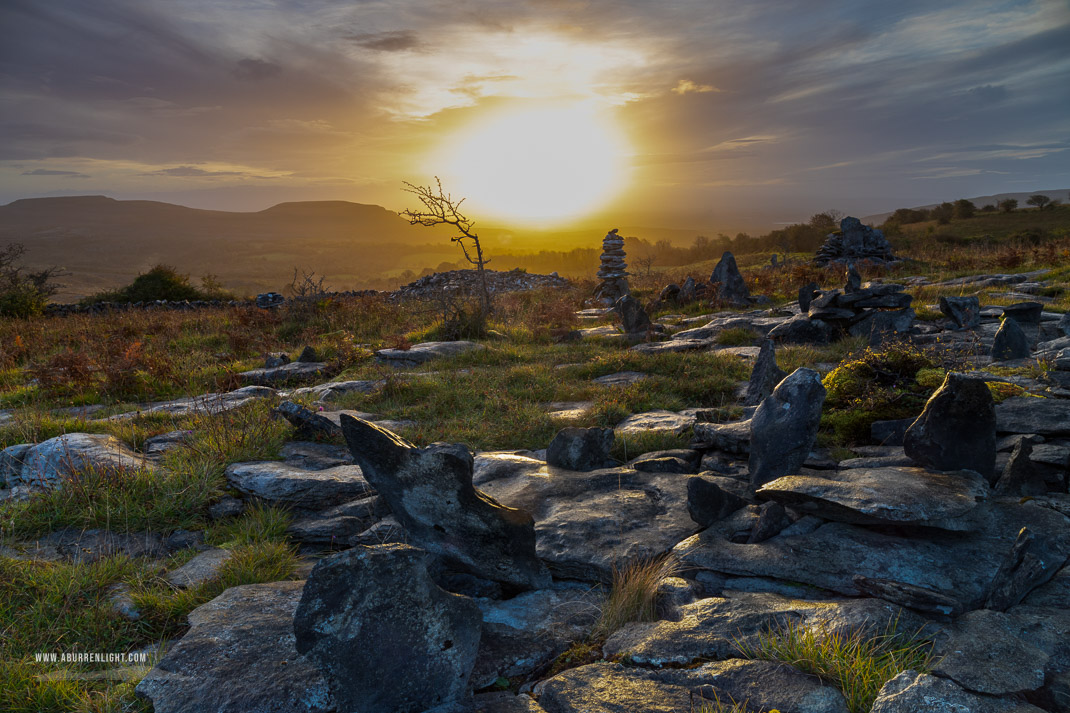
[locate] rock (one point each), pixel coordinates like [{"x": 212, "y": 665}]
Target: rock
[
  {"x": 154, "y": 448},
  {"x": 504, "y": 702},
  {"x": 523, "y": 634},
  {"x": 239, "y": 656},
  {"x": 204, "y": 567},
  {"x": 50, "y": 463},
  {"x": 806, "y": 294},
  {"x": 1031, "y": 562},
  {"x": 1010, "y": 342},
  {"x": 620, "y": 378},
  {"x": 334, "y": 390},
  {"x": 659, "y": 421},
  {"x": 88, "y": 546},
  {"x": 965, "y": 312},
  {"x": 919, "y": 599},
  {"x": 784, "y": 427},
  {"x": 976, "y": 649},
  {"x": 226, "y": 507},
  {"x": 308, "y": 356},
  {"x": 336, "y": 525},
  {"x": 729, "y": 282},
  {"x": 949, "y": 563},
  {"x": 731, "y": 437},
  {"x": 430, "y": 492},
  {"x": 311, "y": 455},
  {"x": 890, "y": 433},
  {"x": 802, "y": 329},
  {"x": 213, "y": 403},
  {"x": 284, "y": 484},
  {"x": 772, "y": 519},
  {"x": 957, "y": 428},
  {"x": 269, "y": 300},
  {"x": 1027, "y": 414},
  {"x": 580, "y": 449},
  {"x": 612, "y": 688},
  {"x": 853, "y": 279},
  {"x": 293, "y": 371},
  {"x": 11, "y": 462},
  {"x": 880, "y": 326},
  {"x": 633, "y": 317},
  {"x": 275, "y": 359},
  {"x": 670, "y": 293},
  {"x": 308, "y": 423},
  {"x": 385, "y": 636},
  {"x": 708, "y": 502},
  {"x": 122, "y": 603},
  {"x": 913, "y": 692},
  {"x": 764, "y": 376},
  {"x": 882, "y": 496},
  {"x": 422, "y": 353},
  {"x": 1020, "y": 476},
  {"x": 613, "y": 270},
  {"x": 854, "y": 241},
  {"x": 1024, "y": 312},
  {"x": 588, "y": 523},
  {"x": 683, "y": 461}
]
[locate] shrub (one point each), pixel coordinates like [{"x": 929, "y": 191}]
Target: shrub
[
  {"x": 23, "y": 294},
  {"x": 162, "y": 282}
]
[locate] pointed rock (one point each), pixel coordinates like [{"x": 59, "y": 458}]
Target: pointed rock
[
  {"x": 430, "y": 492},
  {"x": 633, "y": 317},
  {"x": 1020, "y": 476},
  {"x": 765, "y": 375},
  {"x": 957, "y": 428},
  {"x": 806, "y": 296},
  {"x": 1028, "y": 565},
  {"x": 729, "y": 281},
  {"x": 784, "y": 426},
  {"x": 383, "y": 634},
  {"x": 1010, "y": 341}
]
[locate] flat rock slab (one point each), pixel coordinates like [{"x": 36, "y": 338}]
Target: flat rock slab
[
  {"x": 87, "y": 546},
  {"x": 876, "y": 496},
  {"x": 955, "y": 564},
  {"x": 334, "y": 390},
  {"x": 239, "y": 655},
  {"x": 425, "y": 352},
  {"x": 621, "y": 378},
  {"x": 976, "y": 652},
  {"x": 49, "y": 463},
  {"x": 587, "y": 523},
  {"x": 310, "y": 455},
  {"x": 569, "y": 410},
  {"x": 613, "y": 688},
  {"x": 675, "y": 346},
  {"x": 284, "y": 484},
  {"x": 605, "y": 331},
  {"x": 655, "y": 422},
  {"x": 913, "y": 692},
  {"x": 732, "y": 437},
  {"x": 204, "y": 403},
  {"x": 1024, "y": 414},
  {"x": 717, "y": 627},
  {"x": 336, "y": 525},
  {"x": 204, "y": 567},
  {"x": 294, "y": 371}
]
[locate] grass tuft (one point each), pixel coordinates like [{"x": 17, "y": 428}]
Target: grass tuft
[{"x": 634, "y": 594}]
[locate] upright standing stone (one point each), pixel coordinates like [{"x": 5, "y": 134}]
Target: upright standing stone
[
  {"x": 957, "y": 428},
  {"x": 1020, "y": 476},
  {"x": 765, "y": 375},
  {"x": 784, "y": 427},
  {"x": 806, "y": 296},
  {"x": 430, "y": 492},
  {"x": 965, "y": 312},
  {"x": 1010, "y": 341},
  {"x": 633, "y": 317},
  {"x": 613, "y": 271},
  {"x": 729, "y": 281},
  {"x": 384, "y": 635},
  {"x": 854, "y": 280}
]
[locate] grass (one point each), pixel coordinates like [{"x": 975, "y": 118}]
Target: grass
[
  {"x": 634, "y": 594},
  {"x": 858, "y": 663}
]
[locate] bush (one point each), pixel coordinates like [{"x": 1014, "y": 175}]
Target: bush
[
  {"x": 162, "y": 282},
  {"x": 23, "y": 294}
]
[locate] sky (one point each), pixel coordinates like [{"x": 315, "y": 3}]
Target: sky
[{"x": 713, "y": 112}]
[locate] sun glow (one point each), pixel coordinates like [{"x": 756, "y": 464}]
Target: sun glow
[{"x": 541, "y": 165}]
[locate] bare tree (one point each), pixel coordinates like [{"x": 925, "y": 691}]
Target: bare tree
[
  {"x": 647, "y": 264},
  {"x": 441, "y": 209},
  {"x": 1039, "y": 200}
]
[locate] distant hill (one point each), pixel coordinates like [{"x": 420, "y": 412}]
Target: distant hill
[
  {"x": 979, "y": 201},
  {"x": 105, "y": 242}
]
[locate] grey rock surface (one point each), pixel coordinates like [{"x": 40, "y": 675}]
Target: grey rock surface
[
  {"x": 764, "y": 376},
  {"x": 876, "y": 496},
  {"x": 1024, "y": 414},
  {"x": 424, "y": 352},
  {"x": 1010, "y": 342},
  {"x": 204, "y": 567},
  {"x": 913, "y": 692},
  {"x": 580, "y": 449},
  {"x": 48, "y": 464},
  {"x": 239, "y": 656},
  {"x": 284, "y": 373},
  {"x": 964, "y": 312},
  {"x": 784, "y": 427},
  {"x": 430, "y": 492},
  {"x": 729, "y": 283},
  {"x": 280, "y": 483},
  {"x": 385, "y": 636}
]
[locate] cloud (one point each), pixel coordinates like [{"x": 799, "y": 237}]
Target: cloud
[
  {"x": 255, "y": 70},
  {"x": 52, "y": 172},
  {"x": 686, "y": 86},
  {"x": 191, "y": 172},
  {"x": 392, "y": 41}
]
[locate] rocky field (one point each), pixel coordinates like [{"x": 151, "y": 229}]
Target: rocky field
[{"x": 844, "y": 493}]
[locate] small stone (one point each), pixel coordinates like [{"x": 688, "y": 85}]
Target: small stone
[
  {"x": 1020, "y": 476},
  {"x": 1024, "y": 312},
  {"x": 308, "y": 356},
  {"x": 772, "y": 518},
  {"x": 1010, "y": 342}
]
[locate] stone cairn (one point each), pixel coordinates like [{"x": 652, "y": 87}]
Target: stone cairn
[
  {"x": 613, "y": 270},
  {"x": 854, "y": 242}
]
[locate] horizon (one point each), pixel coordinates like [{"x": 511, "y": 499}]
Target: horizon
[{"x": 721, "y": 118}]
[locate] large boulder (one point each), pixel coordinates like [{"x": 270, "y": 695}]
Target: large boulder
[
  {"x": 50, "y": 463},
  {"x": 430, "y": 492},
  {"x": 784, "y": 426},
  {"x": 957, "y": 428},
  {"x": 580, "y": 448},
  {"x": 729, "y": 282},
  {"x": 238, "y": 656},
  {"x": 385, "y": 636}
]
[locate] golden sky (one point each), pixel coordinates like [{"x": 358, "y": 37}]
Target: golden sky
[{"x": 681, "y": 114}]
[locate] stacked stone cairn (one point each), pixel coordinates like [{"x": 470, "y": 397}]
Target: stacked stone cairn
[
  {"x": 854, "y": 242},
  {"x": 613, "y": 270},
  {"x": 859, "y": 308}
]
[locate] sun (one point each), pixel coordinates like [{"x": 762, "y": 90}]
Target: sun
[{"x": 541, "y": 165}]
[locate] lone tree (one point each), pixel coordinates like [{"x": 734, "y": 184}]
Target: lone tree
[
  {"x": 1040, "y": 200},
  {"x": 24, "y": 294},
  {"x": 1009, "y": 205},
  {"x": 441, "y": 209}
]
